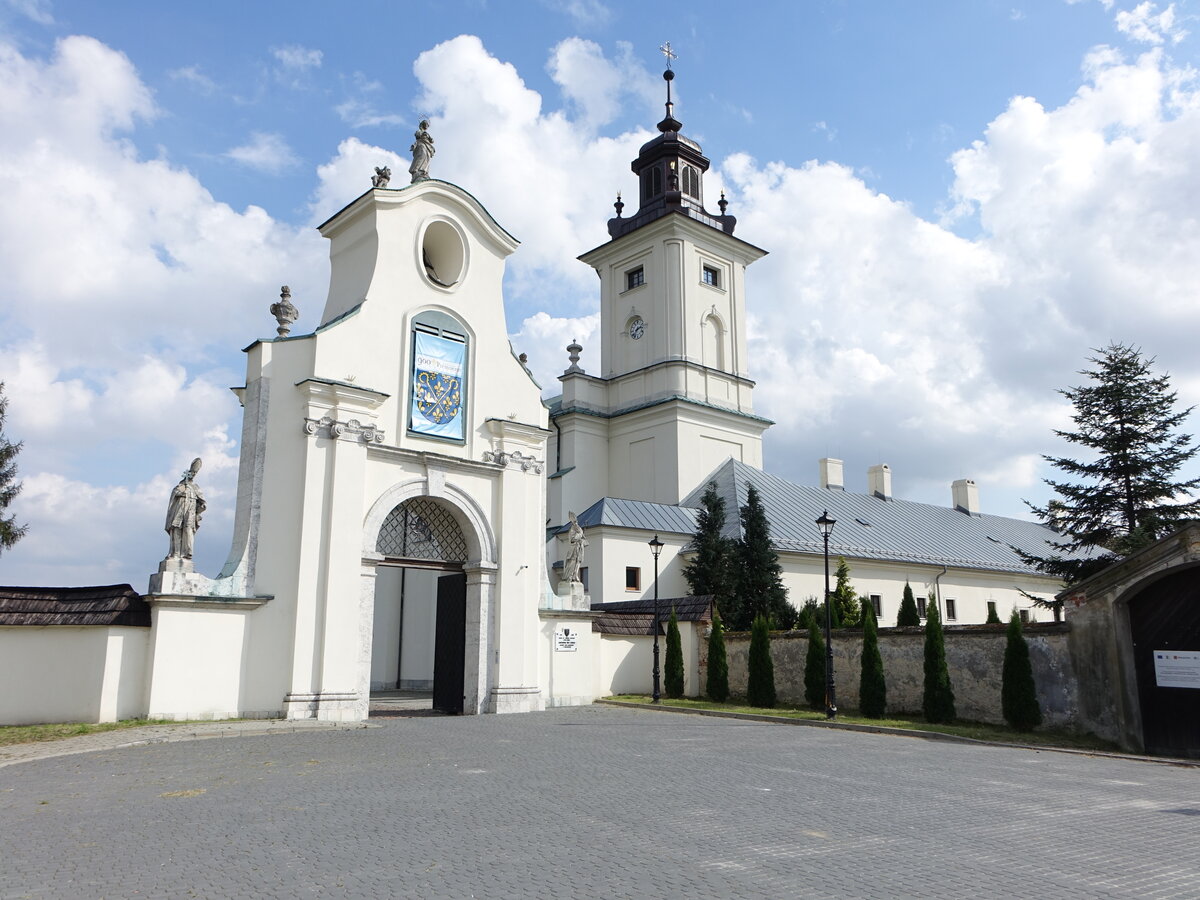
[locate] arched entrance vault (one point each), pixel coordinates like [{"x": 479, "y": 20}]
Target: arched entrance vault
[{"x": 391, "y": 540}]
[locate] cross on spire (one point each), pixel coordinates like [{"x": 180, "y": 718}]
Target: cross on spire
[{"x": 670, "y": 54}]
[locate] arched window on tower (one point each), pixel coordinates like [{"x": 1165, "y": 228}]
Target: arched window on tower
[
  {"x": 655, "y": 181},
  {"x": 691, "y": 182},
  {"x": 438, "y": 384},
  {"x": 713, "y": 342}
]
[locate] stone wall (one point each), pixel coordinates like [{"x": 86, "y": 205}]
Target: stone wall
[{"x": 974, "y": 657}]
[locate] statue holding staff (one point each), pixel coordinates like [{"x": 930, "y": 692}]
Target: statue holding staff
[{"x": 183, "y": 513}]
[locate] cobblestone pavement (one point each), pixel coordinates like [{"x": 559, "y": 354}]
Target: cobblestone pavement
[{"x": 594, "y": 802}]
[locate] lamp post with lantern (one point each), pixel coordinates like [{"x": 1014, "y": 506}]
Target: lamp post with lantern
[
  {"x": 825, "y": 523},
  {"x": 656, "y": 548}
]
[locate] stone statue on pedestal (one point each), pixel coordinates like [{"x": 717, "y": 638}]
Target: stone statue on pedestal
[
  {"x": 183, "y": 513},
  {"x": 381, "y": 177},
  {"x": 422, "y": 152},
  {"x": 576, "y": 545}
]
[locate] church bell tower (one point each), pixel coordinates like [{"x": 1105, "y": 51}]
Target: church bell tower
[{"x": 672, "y": 398}]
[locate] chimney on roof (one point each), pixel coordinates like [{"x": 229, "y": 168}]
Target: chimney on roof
[
  {"x": 966, "y": 496},
  {"x": 831, "y": 474},
  {"x": 879, "y": 481}
]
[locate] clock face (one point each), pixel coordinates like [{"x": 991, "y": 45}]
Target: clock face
[{"x": 637, "y": 328}]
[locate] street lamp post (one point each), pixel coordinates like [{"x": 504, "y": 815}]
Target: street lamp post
[
  {"x": 825, "y": 523},
  {"x": 656, "y": 548}
]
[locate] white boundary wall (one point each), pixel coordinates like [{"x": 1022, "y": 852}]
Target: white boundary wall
[{"x": 69, "y": 673}]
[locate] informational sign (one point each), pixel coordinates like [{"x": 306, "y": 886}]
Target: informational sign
[
  {"x": 566, "y": 638},
  {"x": 1177, "y": 668},
  {"x": 438, "y": 376}
]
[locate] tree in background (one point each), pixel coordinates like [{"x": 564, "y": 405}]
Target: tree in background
[
  {"x": 810, "y": 613},
  {"x": 908, "y": 614},
  {"x": 760, "y": 688},
  {"x": 760, "y": 589},
  {"x": 10, "y": 531},
  {"x": 673, "y": 672},
  {"x": 1128, "y": 494},
  {"x": 709, "y": 572},
  {"x": 814, "y": 668},
  {"x": 993, "y": 617},
  {"x": 938, "y": 701},
  {"x": 716, "y": 685},
  {"x": 872, "y": 688},
  {"x": 849, "y": 612},
  {"x": 1018, "y": 693}
]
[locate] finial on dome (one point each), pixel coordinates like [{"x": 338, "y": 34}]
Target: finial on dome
[
  {"x": 573, "y": 351},
  {"x": 669, "y": 122},
  {"x": 723, "y": 203},
  {"x": 619, "y": 205}
]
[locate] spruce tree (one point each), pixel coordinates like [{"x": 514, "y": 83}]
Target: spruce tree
[
  {"x": 673, "y": 673},
  {"x": 760, "y": 589},
  {"x": 10, "y": 531},
  {"x": 938, "y": 701},
  {"x": 716, "y": 685},
  {"x": 844, "y": 598},
  {"x": 710, "y": 570},
  {"x": 814, "y": 668},
  {"x": 810, "y": 612},
  {"x": 872, "y": 688},
  {"x": 908, "y": 614},
  {"x": 760, "y": 689},
  {"x": 1018, "y": 694},
  {"x": 1127, "y": 494}
]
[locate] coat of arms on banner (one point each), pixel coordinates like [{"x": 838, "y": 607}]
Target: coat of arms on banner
[{"x": 438, "y": 397}]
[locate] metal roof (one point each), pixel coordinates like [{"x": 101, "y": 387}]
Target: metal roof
[
  {"x": 639, "y": 514},
  {"x": 869, "y": 527}
]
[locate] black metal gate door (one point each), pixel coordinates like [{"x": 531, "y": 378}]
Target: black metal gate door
[
  {"x": 449, "y": 645},
  {"x": 1165, "y": 617}
]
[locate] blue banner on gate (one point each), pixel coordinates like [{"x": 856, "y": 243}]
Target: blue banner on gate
[{"x": 438, "y": 377}]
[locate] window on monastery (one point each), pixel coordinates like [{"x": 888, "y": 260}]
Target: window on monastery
[
  {"x": 991, "y": 609},
  {"x": 951, "y": 609},
  {"x": 633, "y": 578},
  {"x": 877, "y": 605},
  {"x": 635, "y": 278},
  {"x": 583, "y": 577},
  {"x": 921, "y": 607},
  {"x": 691, "y": 182},
  {"x": 438, "y": 377},
  {"x": 1024, "y": 614},
  {"x": 710, "y": 275},
  {"x": 655, "y": 181}
]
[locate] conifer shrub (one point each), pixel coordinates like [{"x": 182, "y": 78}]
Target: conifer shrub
[
  {"x": 760, "y": 690},
  {"x": 993, "y": 618},
  {"x": 938, "y": 700},
  {"x": 716, "y": 685},
  {"x": 1018, "y": 693},
  {"x": 673, "y": 675},
  {"x": 872, "y": 688},
  {"x": 814, "y": 667},
  {"x": 908, "y": 614}
]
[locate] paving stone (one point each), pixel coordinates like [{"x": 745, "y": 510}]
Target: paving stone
[{"x": 594, "y": 802}]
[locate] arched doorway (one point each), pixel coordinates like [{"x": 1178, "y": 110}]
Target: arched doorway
[
  {"x": 1164, "y": 625},
  {"x": 418, "y": 636}
]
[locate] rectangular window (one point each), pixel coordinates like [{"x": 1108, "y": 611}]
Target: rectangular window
[
  {"x": 992, "y": 609},
  {"x": 877, "y": 605},
  {"x": 1024, "y": 614},
  {"x": 583, "y": 577},
  {"x": 921, "y": 607},
  {"x": 951, "y": 610},
  {"x": 633, "y": 578},
  {"x": 635, "y": 278},
  {"x": 711, "y": 276}
]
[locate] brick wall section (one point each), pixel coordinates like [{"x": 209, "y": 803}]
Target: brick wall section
[{"x": 974, "y": 657}]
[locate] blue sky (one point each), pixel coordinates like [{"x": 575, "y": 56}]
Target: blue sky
[{"x": 960, "y": 199}]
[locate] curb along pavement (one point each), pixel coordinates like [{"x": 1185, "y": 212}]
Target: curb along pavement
[
  {"x": 897, "y": 732},
  {"x": 119, "y": 739}
]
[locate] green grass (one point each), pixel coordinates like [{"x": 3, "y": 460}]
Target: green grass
[
  {"x": 29, "y": 734},
  {"x": 974, "y": 730}
]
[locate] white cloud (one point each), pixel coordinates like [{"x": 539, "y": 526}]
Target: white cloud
[
  {"x": 359, "y": 109},
  {"x": 544, "y": 338},
  {"x": 35, "y": 10},
  {"x": 127, "y": 291},
  {"x": 1145, "y": 24},
  {"x": 584, "y": 13},
  {"x": 293, "y": 56},
  {"x": 195, "y": 77},
  {"x": 267, "y": 153}
]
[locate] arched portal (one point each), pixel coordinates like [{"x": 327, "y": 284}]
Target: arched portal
[{"x": 432, "y": 578}]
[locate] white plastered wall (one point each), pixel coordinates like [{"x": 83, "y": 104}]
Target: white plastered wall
[{"x": 64, "y": 673}]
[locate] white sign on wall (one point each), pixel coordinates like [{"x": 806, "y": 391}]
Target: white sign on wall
[
  {"x": 566, "y": 638},
  {"x": 1177, "y": 668}
]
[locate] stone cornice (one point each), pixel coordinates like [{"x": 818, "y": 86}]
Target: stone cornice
[{"x": 349, "y": 430}]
